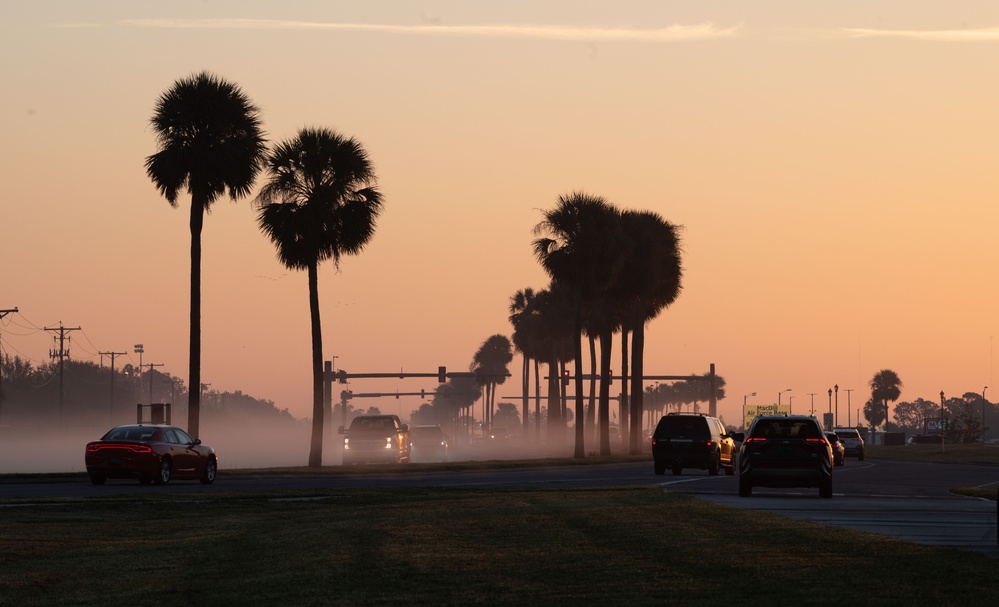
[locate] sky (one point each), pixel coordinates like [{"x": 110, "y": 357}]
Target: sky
[{"x": 832, "y": 166}]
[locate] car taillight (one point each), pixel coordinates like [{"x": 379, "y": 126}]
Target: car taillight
[
  {"x": 756, "y": 439},
  {"x": 711, "y": 444},
  {"x": 821, "y": 441},
  {"x": 95, "y": 447}
]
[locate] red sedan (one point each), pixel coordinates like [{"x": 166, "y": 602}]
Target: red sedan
[{"x": 151, "y": 454}]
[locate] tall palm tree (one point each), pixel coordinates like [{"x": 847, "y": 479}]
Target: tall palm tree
[
  {"x": 578, "y": 246},
  {"x": 648, "y": 283},
  {"x": 319, "y": 203},
  {"x": 489, "y": 364},
  {"x": 522, "y": 317},
  {"x": 885, "y": 386},
  {"x": 209, "y": 140}
]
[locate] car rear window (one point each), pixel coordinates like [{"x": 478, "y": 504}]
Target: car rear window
[
  {"x": 786, "y": 428},
  {"x": 427, "y": 432},
  {"x": 687, "y": 427},
  {"x": 848, "y": 433}
]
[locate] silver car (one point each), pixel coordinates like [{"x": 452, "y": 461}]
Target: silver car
[{"x": 852, "y": 441}]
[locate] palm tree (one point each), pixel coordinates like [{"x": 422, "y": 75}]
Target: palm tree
[
  {"x": 209, "y": 141},
  {"x": 648, "y": 283},
  {"x": 319, "y": 203},
  {"x": 885, "y": 386},
  {"x": 522, "y": 317},
  {"x": 489, "y": 365},
  {"x": 578, "y": 248}
]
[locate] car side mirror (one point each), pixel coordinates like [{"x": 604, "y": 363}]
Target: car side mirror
[
  {"x": 405, "y": 427},
  {"x": 197, "y": 441},
  {"x": 339, "y": 430}
]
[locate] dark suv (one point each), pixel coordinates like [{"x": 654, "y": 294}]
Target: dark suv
[
  {"x": 785, "y": 451},
  {"x": 688, "y": 440}
]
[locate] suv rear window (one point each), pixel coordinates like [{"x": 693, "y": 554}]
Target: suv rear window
[
  {"x": 786, "y": 428},
  {"x": 687, "y": 426},
  {"x": 848, "y": 433}
]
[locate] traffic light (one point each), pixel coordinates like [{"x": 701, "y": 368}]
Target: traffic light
[
  {"x": 341, "y": 376},
  {"x": 565, "y": 377},
  {"x": 442, "y": 374},
  {"x": 423, "y": 393}
]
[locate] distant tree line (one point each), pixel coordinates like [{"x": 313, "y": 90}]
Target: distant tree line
[{"x": 93, "y": 396}]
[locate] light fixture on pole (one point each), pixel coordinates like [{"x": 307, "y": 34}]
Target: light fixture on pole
[
  {"x": 744, "y": 396},
  {"x": 781, "y": 392}
]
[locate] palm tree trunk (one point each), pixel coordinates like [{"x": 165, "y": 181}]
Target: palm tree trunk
[
  {"x": 194, "y": 360},
  {"x": 316, "y": 449},
  {"x": 591, "y": 411},
  {"x": 554, "y": 398},
  {"x": 577, "y": 356},
  {"x": 525, "y": 384},
  {"x": 637, "y": 387},
  {"x": 622, "y": 405},
  {"x": 537, "y": 400},
  {"x": 603, "y": 412}
]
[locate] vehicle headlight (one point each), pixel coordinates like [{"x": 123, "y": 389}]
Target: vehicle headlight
[{"x": 388, "y": 443}]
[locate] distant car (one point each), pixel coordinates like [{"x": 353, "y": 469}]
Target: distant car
[
  {"x": 150, "y": 453},
  {"x": 838, "y": 450},
  {"x": 497, "y": 434},
  {"x": 852, "y": 441},
  {"x": 692, "y": 440},
  {"x": 428, "y": 443},
  {"x": 785, "y": 451}
]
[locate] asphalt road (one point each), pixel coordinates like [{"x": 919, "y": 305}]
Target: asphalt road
[{"x": 907, "y": 500}]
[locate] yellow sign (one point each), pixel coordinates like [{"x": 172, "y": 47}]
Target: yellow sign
[{"x": 751, "y": 411}]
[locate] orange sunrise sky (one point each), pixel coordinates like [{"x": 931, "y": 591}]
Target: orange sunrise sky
[{"x": 833, "y": 166}]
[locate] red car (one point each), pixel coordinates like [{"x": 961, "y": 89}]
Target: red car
[{"x": 150, "y": 453}]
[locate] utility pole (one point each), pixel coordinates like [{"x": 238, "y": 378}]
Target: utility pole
[
  {"x": 62, "y": 353},
  {"x": 2, "y": 314},
  {"x": 151, "y": 365},
  {"x": 848, "y": 405},
  {"x": 111, "y": 404}
]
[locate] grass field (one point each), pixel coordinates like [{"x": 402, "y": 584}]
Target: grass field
[
  {"x": 619, "y": 546},
  {"x": 599, "y": 546}
]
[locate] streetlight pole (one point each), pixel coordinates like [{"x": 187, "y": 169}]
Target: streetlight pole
[
  {"x": 848, "y": 406},
  {"x": 836, "y": 417},
  {"x": 744, "y": 396},
  {"x": 790, "y": 404},
  {"x": 781, "y": 392},
  {"x": 942, "y": 434},
  {"x": 137, "y": 348},
  {"x": 812, "y": 394},
  {"x": 983, "y": 413}
]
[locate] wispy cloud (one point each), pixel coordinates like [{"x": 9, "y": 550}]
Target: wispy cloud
[
  {"x": 962, "y": 35},
  {"x": 672, "y": 33}
]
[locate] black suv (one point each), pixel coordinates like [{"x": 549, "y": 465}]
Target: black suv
[
  {"x": 785, "y": 451},
  {"x": 689, "y": 440}
]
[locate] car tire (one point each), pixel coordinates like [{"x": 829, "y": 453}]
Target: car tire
[
  {"x": 730, "y": 469},
  {"x": 211, "y": 469},
  {"x": 715, "y": 466},
  {"x": 98, "y": 479},
  {"x": 825, "y": 489},
  {"x": 860, "y": 455},
  {"x": 677, "y": 470},
  {"x": 659, "y": 467},
  {"x": 745, "y": 487},
  {"x": 163, "y": 476}
]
